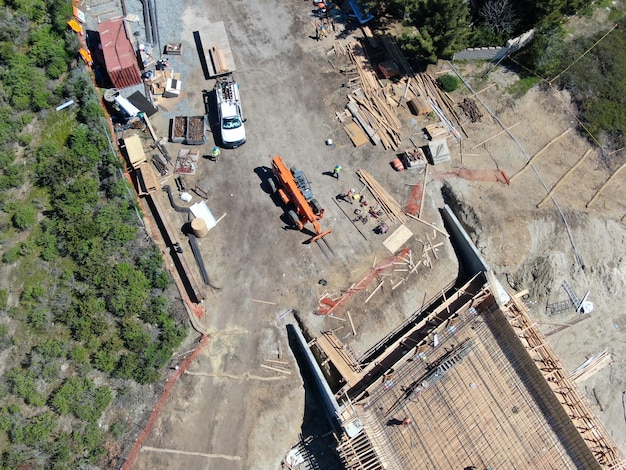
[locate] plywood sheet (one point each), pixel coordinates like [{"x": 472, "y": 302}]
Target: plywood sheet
[
  {"x": 398, "y": 238},
  {"x": 134, "y": 149},
  {"x": 356, "y": 134}
]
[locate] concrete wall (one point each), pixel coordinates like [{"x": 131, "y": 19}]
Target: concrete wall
[{"x": 495, "y": 53}]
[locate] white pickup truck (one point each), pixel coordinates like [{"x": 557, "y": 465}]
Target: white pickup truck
[{"x": 232, "y": 130}]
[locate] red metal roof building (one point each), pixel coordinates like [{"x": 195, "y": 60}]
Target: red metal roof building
[{"x": 119, "y": 56}]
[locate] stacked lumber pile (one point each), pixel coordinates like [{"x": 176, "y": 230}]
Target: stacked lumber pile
[
  {"x": 438, "y": 131},
  {"x": 443, "y": 105},
  {"x": 373, "y": 108},
  {"x": 368, "y": 105},
  {"x": 219, "y": 60},
  {"x": 591, "y": 366},
  {"x": 387, "y": 203}
]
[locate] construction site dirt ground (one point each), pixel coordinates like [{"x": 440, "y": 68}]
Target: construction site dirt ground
[{"x": 229, "y": 412}]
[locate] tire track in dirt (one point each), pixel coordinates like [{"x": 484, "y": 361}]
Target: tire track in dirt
[
  {"x": 236, "y": 377},
  {"x": 184, "y": 452}
]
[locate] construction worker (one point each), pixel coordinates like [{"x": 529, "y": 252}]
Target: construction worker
[
  {"x": 215, "y": 153},
  {"x": 336, "y": 171},
  {"x": 350, "y": 195}
]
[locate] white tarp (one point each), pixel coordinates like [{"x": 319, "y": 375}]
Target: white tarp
[{"x": 202, "y": 211}]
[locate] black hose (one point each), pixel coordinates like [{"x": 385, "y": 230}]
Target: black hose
[
  {"x": 196, "y": 253},
  {"x": 155, "y": 31},
  {"x": 176, "y": 207},
  {"x": 155, "y": 23}
]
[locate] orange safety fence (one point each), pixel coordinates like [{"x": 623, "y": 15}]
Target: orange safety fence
[
  {"x": 415, "y": 200},
  {"x": 156, "y": 412}
]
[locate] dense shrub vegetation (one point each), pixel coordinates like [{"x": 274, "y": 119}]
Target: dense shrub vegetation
[
  {"x": 83, "y": 310},
  {"x": 592, "y": 70},
  {"x": 436, "y": 29}
]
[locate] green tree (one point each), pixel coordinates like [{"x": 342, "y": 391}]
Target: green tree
[
  {"x": 128, "y": 291},
  {"x": 48, "y": 51},
  {"x": 443, "y": 28},
  {"x": 134, "y": 335},
  {"x": 78, "y": 395},
  {"x": 22, "y": 384},
  {"x": 127, "y": 366},
  {"x": 597, "y": 85},
  {"x": 24, "y": 217},
  {"x": 4, "y": 299},
  {"x": 36, "y": 431},
  {"x": 51, "y": 348},
  {"x": 448, "y": 82}
]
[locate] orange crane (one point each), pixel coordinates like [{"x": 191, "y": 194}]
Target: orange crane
[{"x": 294, "y": 190}]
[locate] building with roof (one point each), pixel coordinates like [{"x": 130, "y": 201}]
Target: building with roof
[{"x": 119, "y": 55}]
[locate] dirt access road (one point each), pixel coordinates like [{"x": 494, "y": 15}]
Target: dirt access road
[{"x": 228, "y": 412}]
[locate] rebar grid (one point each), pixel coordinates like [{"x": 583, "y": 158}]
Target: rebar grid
[{"x": 479, "y": 413}]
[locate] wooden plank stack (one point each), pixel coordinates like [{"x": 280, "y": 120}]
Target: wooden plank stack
[
  {"x": 591, "y": 366},
  {"x": 426, "y": 86},
  {"x": 369, "y": 104},
  {"x": 219, "y": 60},
  {"x": 387, "y": 203}
]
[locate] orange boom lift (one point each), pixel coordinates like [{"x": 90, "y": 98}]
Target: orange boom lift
[{"x": 294, "y": 190}]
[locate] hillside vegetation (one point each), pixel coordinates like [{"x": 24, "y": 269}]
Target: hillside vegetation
[
  {"x": 84, "y": 310},
  {"x": 590, "y": 66}
]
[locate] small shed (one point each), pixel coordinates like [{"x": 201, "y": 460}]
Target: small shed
[
  {"x": 119, "y": 56},
  {"x": 134, "y": 150}
]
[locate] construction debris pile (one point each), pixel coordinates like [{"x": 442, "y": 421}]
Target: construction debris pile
[
  {"x": 372, "y": 110},
  {"x": 470, "y": 109}
]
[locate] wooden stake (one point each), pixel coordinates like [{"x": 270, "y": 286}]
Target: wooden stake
[
  {"x": 543, "y": 149},
  {"x": 597, "y": 194},
  {"x": 486, "y": 88},
  {"x": 563, "y": 178},
  {"x": 276, "y": 369},
  {"x": 336, "y": 318},
  {"x": 352, "y": 323},
  {"x": 263, "y": 302},
  {"x": 415, "y": 267},
  {"x": 496, "y": 135},
  {"x": 375, "y": 290},
  {"x": 223, "y": 215},
  {"x": 276, "y": 362},
  {"x": 429, "y": 224},
  {"x": 430, "y": 244}
]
